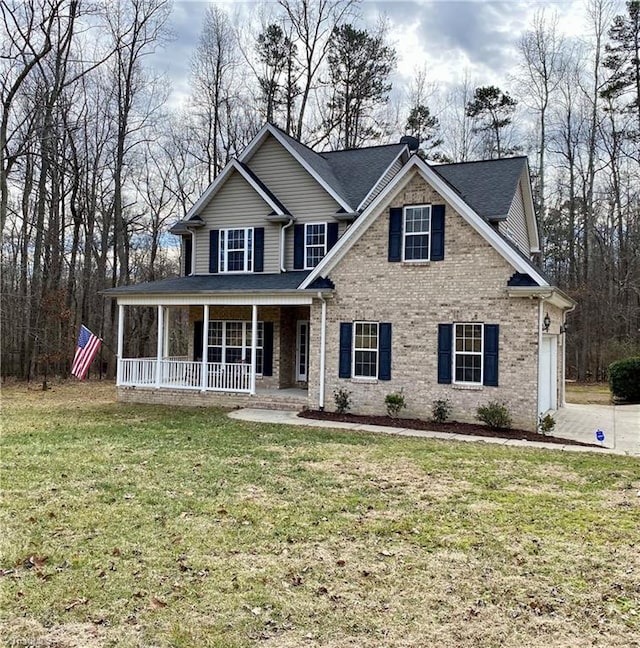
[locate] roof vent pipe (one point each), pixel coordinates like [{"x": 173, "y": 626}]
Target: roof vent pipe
[{"x": 412, "y": 142}]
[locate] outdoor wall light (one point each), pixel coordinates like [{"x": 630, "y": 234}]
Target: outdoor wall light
[{"x": 546, "y": 323}]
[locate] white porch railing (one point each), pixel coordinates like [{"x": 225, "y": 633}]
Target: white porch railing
[{"x": 184, "y": 374}]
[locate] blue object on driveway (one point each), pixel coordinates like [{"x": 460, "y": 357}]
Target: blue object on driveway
[{"x": 600, "y": 435}]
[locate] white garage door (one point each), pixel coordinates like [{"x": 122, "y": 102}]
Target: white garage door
[{"x": 548, "y": 379}]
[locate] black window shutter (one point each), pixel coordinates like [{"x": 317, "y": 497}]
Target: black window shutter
[
  {"x": 437, "y": 232},
  {"x": 298, "y": 247},
  {"x": 197, "y": 340},
  {"x": 445, "y": 335},
  {"x": 267, "y": 349},
  {"x": 188, "y": 255},
  {"x": 332, "y": 235},
  {"x": 213, "y": 251},
  {"x": 346, "y": 331},
  {"x": 395, "y": 234},
  {"x": 384, "y": 352},
  {"x": 491, "y": 334},
  {"x": 258, "y": 249}
]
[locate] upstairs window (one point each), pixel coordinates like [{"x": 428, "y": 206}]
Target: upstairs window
[
  {"x": 417, "y": 233},
  {"x": 315, "y": 244},
  {"x": 468, "y": 354},
  {"x": 236, "y": 250}
]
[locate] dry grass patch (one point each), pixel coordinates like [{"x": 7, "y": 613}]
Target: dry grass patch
[
  {"x": 588, "y": 393},
  {"x": 148, "y": 526}
]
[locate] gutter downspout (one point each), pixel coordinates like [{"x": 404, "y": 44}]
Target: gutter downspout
[
  {"x": 193, "y": 251},
  {"x": 323, "y": 342},
  {"x": 282, "y": 233},
  {"x": 540, "y": 318}
]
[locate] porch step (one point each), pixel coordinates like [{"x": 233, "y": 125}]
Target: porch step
[{"x": 273, "y": 404}]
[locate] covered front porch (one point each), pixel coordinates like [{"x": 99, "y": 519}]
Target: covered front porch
[{"x": 234, "y": 344}]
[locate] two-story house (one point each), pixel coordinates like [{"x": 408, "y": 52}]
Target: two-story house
[{"x": 367, "y": 269}]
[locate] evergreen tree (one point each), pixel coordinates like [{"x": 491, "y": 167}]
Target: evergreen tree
[
  {"x": 424, "y": 126},
  {"x": 623, "y": 59},
  {"x": 359, "y": 67},
  {"x": 276, "y": 51},
  {"x": 492, "y": 110}
]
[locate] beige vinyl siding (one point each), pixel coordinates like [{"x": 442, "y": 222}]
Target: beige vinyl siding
[
  {"x": 294, "y": 187},
  {"x": 515, "y": 227},
  {"x": 237, "y": 205},
  {"x": 383, "y": 182}
]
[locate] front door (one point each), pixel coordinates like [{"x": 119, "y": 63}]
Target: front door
[{"x": 302, "y": 351}]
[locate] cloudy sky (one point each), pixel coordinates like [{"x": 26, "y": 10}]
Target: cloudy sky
[{"x": 452, "y": 38}]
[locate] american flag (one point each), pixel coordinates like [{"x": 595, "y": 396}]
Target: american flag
[{"x": 88, "y": 346}]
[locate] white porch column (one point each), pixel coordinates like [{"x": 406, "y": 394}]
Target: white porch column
[
  {"x": 254, "y": 346},
  {"x": 323, "y": 345},
  {"x": 165, "y": 341},
  {"x": 120, "y": 344},
  {"x": 159, "y": 345},
  {"x": 205, "y": 347}
]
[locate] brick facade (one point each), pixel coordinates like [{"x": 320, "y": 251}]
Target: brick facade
[{"x": 469, "y": 285}]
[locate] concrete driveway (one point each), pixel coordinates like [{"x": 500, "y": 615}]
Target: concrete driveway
[{"x": 620, "y": 424}]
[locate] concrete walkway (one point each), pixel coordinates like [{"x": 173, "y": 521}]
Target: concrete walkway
[{"x": 574, "y": 424}]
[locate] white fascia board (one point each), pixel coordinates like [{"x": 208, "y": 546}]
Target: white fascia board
[
  {"x": 478, "y": 223},
  {"x": 255, "y": 143},
  {"x": 551, "y": 294},
  {"x": 529, "y": 210},
  {"x": 258, "y": 189},
  {"x": 395, "y": 159},
  {"x": 257, "y": 140},
  {"x": 292, "y": 298},
  {"x": 216, "y": 185}
]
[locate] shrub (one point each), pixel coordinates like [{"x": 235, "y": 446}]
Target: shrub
[
  {"x": 440, "y": 410},
  {"x": 395, "y": 402},
  {"x": 624, "y": 379},
  {"x": 546, "y": 423},
  {"x": 342, "y": 398},
  {"x": 495, "y": 415}
]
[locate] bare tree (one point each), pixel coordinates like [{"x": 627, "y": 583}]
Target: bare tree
[
  {"x": 313, "y": 22},
  {"x": 214, "y": 97},
  {"x": 542, "y": 66}
]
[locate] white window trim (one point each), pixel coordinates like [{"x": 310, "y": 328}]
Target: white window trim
[
  {"x": 480, "y": 353},
  {"x": 302, "y": 329},
  {"x": 324, "y": 253},
  {"x": 354, "y": 349},
  {"x": 404, "y": 233},
  {"x": 223, "y": 245},
  {"x": 245, "y": 325}
]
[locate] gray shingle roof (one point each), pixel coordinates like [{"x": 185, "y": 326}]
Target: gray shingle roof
[
  {"x": 360, "y": 169},
  {"x": 488, "y": 186},
  {"x": 221, "y": 283}
]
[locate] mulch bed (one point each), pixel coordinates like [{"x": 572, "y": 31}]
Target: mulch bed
[{"x": 452, "y": 427}]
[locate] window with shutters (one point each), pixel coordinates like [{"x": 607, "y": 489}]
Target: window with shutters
[
  {"x": 468, "y": 351},
  {"x": 230, "y": 342},
  {"x": 236, "y": 250},
  {"x": 365, "y": 350},
  {"x": 315, "y": 244},
  {"x": 417, "y": 233}
]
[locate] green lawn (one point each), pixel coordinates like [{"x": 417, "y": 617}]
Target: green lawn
[{"x": 129, "y": 525}]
